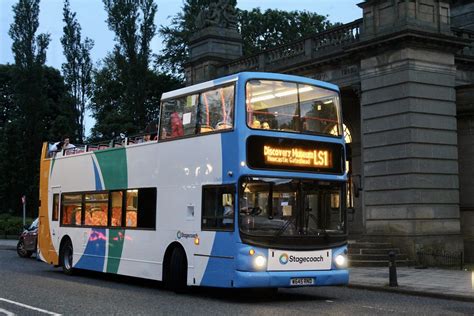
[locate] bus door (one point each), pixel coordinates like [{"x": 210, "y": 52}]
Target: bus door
[{"x": 217, "y": 249}]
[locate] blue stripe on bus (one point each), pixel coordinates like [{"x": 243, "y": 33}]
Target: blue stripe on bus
[
  {"x": 98, "y": 183},
  {"x": 220, "y": 267},
  {"x": 94, "y": 254}
]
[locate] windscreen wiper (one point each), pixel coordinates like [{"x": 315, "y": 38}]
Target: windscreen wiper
[{"x": 284, "y": 227}]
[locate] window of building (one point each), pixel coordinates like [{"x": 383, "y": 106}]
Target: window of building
[
  {"x": 55, "y": 215},
  {"x": 71, "y": 207},
  {"x": 216, "y": 109},
  {"x": 116, "y": 203},
  {"x": 96, "y": 209},
  {"x": 218, "y": 208}
]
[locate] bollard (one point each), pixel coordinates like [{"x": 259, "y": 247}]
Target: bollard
[{"x": 392, "y": 269}]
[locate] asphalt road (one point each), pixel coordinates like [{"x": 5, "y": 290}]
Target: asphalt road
[{"x": 30, "y": 287}]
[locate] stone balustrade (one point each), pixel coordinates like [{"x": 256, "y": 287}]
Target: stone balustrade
[
  {"x": 311, "y": 47},
  {"x": 465, "y": 34}
]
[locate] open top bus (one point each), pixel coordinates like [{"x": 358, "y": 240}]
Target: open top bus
[{"x": 244, "y": 185}]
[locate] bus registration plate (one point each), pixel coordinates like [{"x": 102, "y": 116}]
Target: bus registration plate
[{"x": 301, "y": 281}]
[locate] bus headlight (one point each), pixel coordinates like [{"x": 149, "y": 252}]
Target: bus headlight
[
  {"x": 341, "y": 261},
  {"x": 259, "y": 262}
]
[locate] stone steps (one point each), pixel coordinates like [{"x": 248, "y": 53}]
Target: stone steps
[
  {"x": 378, "y": 263},
  {"x": 374, "y": 254},
  {"x": 382, "y": 251},
  {"x": 378, "y": 257}
]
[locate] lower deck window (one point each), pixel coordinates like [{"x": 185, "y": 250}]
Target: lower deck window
[
  {"x": 133, "y": 208},
  {"x": 71, "y": 209}
]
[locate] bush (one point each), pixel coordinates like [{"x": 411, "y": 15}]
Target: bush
[{"x": 12, "y": 225}]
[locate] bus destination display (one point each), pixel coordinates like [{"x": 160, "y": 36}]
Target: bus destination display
[{"x": 292, "y": 154}]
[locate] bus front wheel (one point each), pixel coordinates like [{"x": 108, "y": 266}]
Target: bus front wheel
[
  {"x": 178, "y": 271},
  {"x": 66, "y": 257}
]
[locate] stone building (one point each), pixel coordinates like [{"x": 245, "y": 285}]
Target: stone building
[{"x": 406, "y": 73}]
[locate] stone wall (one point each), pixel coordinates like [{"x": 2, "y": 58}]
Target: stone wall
[
  {"x": 465, "y": 109},
  {"x": 411, "y": 187}
]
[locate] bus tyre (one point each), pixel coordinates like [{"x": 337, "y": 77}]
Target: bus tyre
[
  {"x": 66, "y": 258},
  {"x": 178, "y": 271}
]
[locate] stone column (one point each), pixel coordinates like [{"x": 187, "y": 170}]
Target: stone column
[
  {"x": 409, "y": 138},
  {"x": 465, "y": 111},
  {"x": 215, "y": 43}
]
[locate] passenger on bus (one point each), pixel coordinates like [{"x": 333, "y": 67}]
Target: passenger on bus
[
  {"x": 177, "y": 129},
  {"x": 151, "y": 132},
  {"x": 228, "y": 214},
  {"x": 265, "y": 125},
  {"x": 67, "y": 144},
  {"x": 256, "y": 124}
]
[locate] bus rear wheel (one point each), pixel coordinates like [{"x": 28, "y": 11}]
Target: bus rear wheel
[
  {"x": 66, "y": 258},
  {"x": 177, "y": 280}
]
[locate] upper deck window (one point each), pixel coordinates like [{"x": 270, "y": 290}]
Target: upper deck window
[
  {"x": 208, "y": 111},
  {"x": 288, "y": 106}
]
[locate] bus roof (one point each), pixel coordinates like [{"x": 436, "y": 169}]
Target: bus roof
[{"x": 244, "y": 76}]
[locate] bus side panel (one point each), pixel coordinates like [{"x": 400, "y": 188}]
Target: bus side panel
[
  {"x": 46, "y": 249},
  {"x": 80, "y": 174},
  {"x": 178, "y": 169}
]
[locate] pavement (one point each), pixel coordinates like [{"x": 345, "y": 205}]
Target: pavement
[
  {"x": 432, "y": 282},
  {"x": 439, "y": 283}
]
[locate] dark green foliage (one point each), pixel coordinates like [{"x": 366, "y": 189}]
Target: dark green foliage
[
  {"x": 108, "y": 102},
  {"x": 34, "y": 107},
  {"x": 126, "y": 92},
  {"x": 12, "y": 225},
  {"x": 259, "y": 30},
  {"x": 263, "y": 30},
  {"x": 77, "y": 69}
]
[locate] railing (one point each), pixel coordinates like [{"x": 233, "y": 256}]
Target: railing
[
  {"x": 115, "y": 143},
  {"x": 441, "y": 259},
  {"x": 309, "y": 47},
  {"x": 465, "y": 34}
]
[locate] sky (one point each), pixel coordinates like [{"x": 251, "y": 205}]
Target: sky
[{"x": 92, "y": 17}]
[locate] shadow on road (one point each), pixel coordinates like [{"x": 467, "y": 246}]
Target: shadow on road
[{"x": 229, "y": 295}]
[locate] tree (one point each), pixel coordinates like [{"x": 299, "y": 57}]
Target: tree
[
  {"x": 36, "y": 103},
  {"x": 29, "y": 51},
  {"x": 77, "y": 69},
  {"x": 133, "y": 25},
  {"x": 107, "y": 101},
  {"x": 259, "y": 30},
  {"x": 126, "y": 94}
]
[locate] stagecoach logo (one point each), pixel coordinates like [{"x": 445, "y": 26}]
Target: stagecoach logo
[
  {"x": 180, "y": 235},
  {"x": 284, "y": 258}
]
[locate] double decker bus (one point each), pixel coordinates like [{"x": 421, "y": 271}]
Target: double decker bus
[{"x": 244, "y": 186}]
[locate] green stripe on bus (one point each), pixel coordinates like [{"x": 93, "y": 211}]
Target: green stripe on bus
[
  {"x": 116, "y": 238},
  {"x": 113, "y": 166}
]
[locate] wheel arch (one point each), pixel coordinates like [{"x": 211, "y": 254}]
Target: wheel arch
[{"x": 167, "y": 259}]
